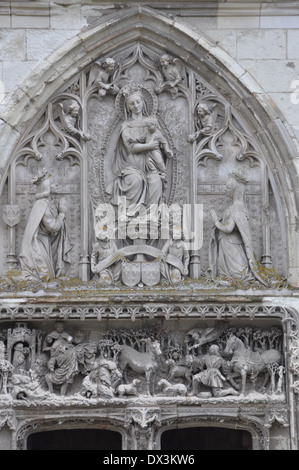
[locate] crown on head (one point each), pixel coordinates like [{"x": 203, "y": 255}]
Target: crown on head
[{"x": 130, "y": 89}]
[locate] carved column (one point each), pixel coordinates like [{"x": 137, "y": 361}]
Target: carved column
[{"x": 11, "y": 217}]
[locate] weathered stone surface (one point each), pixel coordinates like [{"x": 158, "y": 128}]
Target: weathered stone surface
[{"x": 186, "y": 103}]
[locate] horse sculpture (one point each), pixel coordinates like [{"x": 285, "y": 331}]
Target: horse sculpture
[
  {"x": 141, "y": 362},
  {"x": 244, "y": 361}
]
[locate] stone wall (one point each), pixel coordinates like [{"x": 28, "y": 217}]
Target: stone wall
[
  {"x": 261, "y": 36},
  {"x": 248, "y": 53}
]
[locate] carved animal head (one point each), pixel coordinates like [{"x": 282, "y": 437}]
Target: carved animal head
[
  {"x": 231, "y": 344},
  {"x": 162, "y": 383},
  {"x": 136, "y": 382}
]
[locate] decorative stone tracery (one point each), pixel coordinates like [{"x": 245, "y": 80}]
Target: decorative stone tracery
[{"x": 145, "y": 148}]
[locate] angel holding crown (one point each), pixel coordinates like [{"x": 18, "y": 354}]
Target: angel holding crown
[{"x": 45, "y": 245}]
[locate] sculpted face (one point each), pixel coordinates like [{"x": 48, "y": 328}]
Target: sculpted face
[
  {"x": 164, "y": 61},
  {"x": 201, "y": 111},
  {"x": 108, "y": 66},
  {"x": 135, "y": 103}
]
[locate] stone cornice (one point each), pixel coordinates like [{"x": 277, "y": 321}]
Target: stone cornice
[{"x": 175, "y": 7}]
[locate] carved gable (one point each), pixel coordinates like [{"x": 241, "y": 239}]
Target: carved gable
[{"x": 144, "y": 253}]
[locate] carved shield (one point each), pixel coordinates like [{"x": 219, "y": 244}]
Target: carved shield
[
  {"x": 131, "y": 274},
  {"x": 150, "y": 273},
  {"x": 11, "y": 215}
]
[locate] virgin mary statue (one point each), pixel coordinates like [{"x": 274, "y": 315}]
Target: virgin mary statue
[{"x": 134, "y": 180}]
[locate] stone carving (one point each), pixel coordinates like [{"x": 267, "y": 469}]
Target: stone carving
[
  {"x": 129, "y": 364},
  {"x": 130, "y": 389},
  {"x": 231, "y": 248},
  {"x": 102, "y": 380},
  {"x": 68, "y": 113},
  {"x": 139, "y": 184},
  {"x": 155, "y": 158},
  {"x": 173, "y": 74},
  {"x": 100, "y": 76},
  {"x": 20, "y": 354},
  {"x": 5, "y": 368},
  {"x": 211, "y": 376},
  {"x": 11, "y": 215},
  {"x": 207, "y": 122},
  {"x": 176, "y": 260},
  {"x": 118, "y": 124},
  {"x": 244, "y": 361},
  {"x": 136, "y": 131},
  {"x": 45, "y": 244},
  {"x": 63, "y": 362},
  {"x": 294, "y": 359},
  {"x": 172, "y": 389},
  {"x": 141, "y": 362}
]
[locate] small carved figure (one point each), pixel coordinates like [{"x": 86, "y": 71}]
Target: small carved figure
[
  {"x": 105, "y": 264},
  {"x": 128, "y": 389},
  {"x": 45, "y": 245},
  {"x": 172, "y": 390},
  {"x": 90, "y": 384},
  {"x": 175, "y": 258},
  {"x": 63, "y": 365},
  {"x": 20, "y": 355},
  {"x": 211, "y": 376},
  {"x": 279, "y": 387},
  {"x": 69, "y": 118},
  {"x": 100, "y": 75},
  {"x": 6, "y": 368},
  {"x": 206, "y": 121},
  {"x": 58, "y": 334},
  {"x": 172, "y": 72},
  {"x": 155, "y": 159},
  {"x": 108, "y": 377},
  {"x": 231, "y": 252},
  {"x": 86, "y": 352}
]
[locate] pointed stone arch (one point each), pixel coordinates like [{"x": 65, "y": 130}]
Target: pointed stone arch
[{"x": 154, "y": 28}]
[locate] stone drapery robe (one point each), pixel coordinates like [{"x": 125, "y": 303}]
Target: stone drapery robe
[{"x": 45, "y": 245}]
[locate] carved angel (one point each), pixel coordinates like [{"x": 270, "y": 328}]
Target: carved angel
[
  {"x": 173, "y": 72},
  {"x": 100, "y": 75},
  {"x": 69, "y": 116},
  {"x": 207, "y": 121}
]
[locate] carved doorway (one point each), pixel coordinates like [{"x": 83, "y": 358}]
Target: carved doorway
[
  {"x": 75, "y": 439},
  {"x": 206, "y": 438}
]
